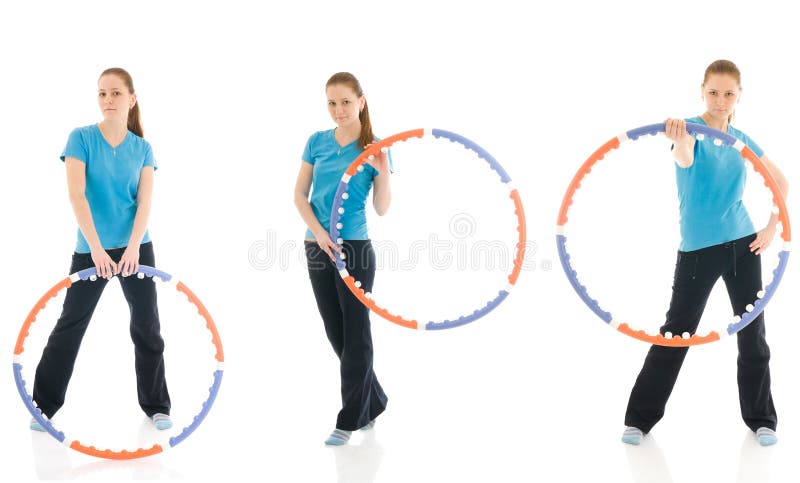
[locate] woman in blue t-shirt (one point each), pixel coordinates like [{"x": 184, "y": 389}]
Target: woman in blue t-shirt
[
  {"x": 717, "y": 240},
  {"x": 110, "y": 171},
  {"x": 326, "y": 157}
]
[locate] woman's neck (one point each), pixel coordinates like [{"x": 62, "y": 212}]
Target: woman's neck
[
  {"x": 346, "y": 135},
  {"x": 114, "y": 132},
  {"x": 719, "y": 124}
]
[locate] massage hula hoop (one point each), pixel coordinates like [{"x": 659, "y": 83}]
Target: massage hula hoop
[
  {"x": 337, "y": 210},
  {"x": 739, "y": 322},
  {"x": 88, "y": 276}
]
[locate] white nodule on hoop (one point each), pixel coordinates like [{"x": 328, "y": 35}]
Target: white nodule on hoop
[
  {"x": 738, "y": 145},
  {"x": 560, "y": 230},
  {"x": 342, "y": 256},
  {"x": 346, "y": 178},
  {"x": 339, "y": 241},
  {"x": 717, "y": 142},
  {"x": 93, "y": 278},
  {"x": 623, "y": 137},
  {"x": 668, "y": 335},
  {"x": 368, "y": 295},
  {"x": 339, "y": 226},
  {"x": 345, "y": 195},
  {"x": 760, "y": 294},
  {"x": 140, "y": 275},
  {"x": 371, "y": 157},
  {"x": 614, "y": 323},
  {"x": 749, "y": 308},
  {"x": 700, "y": 136},
  {"x": 384, "y": 149},
  {"x": 357, "y": 284},
  {"x": 736, "y": 319},
  {"x": 341, "y": 210},
  {"x": 686, "y": 335},
  {"x": 344, "y": 273},
  {"x": 360, "y": 167}
]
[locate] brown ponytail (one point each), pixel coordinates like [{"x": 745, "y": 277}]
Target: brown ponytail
[
  {"x": 348, "y": 79},
  {"x": 726, "y": 67},
  {"x": 134, "y": 117}
]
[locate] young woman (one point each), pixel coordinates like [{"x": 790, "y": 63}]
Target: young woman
[
  {"x": 110, "y": 181},
  {"x": 326, "y": 156},
  {"x": 718, "y": 240}
]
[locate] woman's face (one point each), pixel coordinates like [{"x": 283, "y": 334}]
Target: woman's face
[
  {"x": 344, "y": 105},
  {"x": 720, "y": 93},
  {"x": 114, "y": 98}
]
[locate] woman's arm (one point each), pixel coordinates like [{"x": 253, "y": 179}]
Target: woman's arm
[
  {"x": 683, "y": 142},
  {"x": 76, "y": 185},
  {"x": 765, "y": 236},
  {"x": 129, "y": 263},
  {"x": 382, "y": 189},
  {"x": 302, "y": 189}
]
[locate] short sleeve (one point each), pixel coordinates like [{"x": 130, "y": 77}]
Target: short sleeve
[
  {"x": 753, "y": 146},
  {"x": 149, "y": 159},
  {"x": 308, "y": 151},
  {"x": 76, "y": 147},
  {"x": 391, "y": 163}
]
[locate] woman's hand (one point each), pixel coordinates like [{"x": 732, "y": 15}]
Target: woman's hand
[
  {"x": 326, "y": 244},
  {"x": 682, "y": 142},
  {"x": 129, "y": 263},
  {"x": 105, "y": 266},
  {"x": 380, "y": 161},
  {"x": 763, "y": 239},
  {"x": 675, "y": 130}
]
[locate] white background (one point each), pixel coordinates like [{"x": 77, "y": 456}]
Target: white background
[{"x": 230, "y": 92}]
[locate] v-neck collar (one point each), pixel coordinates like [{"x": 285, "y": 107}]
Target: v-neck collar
[
  {"x": 113, "y": 148},
  {"x": 341, "y": 147},
  {"x": 727, "y": 128}
]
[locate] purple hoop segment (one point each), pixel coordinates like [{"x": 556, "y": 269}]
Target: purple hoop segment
[
  {"x": 701, "y": 132},
  {"x": 87, "y": 276},
  {"x": 337, "y": 210}
]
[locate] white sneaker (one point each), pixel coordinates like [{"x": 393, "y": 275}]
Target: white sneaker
[{"x": 162, "y": 421}]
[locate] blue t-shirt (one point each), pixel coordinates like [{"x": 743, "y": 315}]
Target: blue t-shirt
[
  {"x": 330, "y": 162},
  {"x": 710, "y": 193},
  {"x": 112, "y": 182}
]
